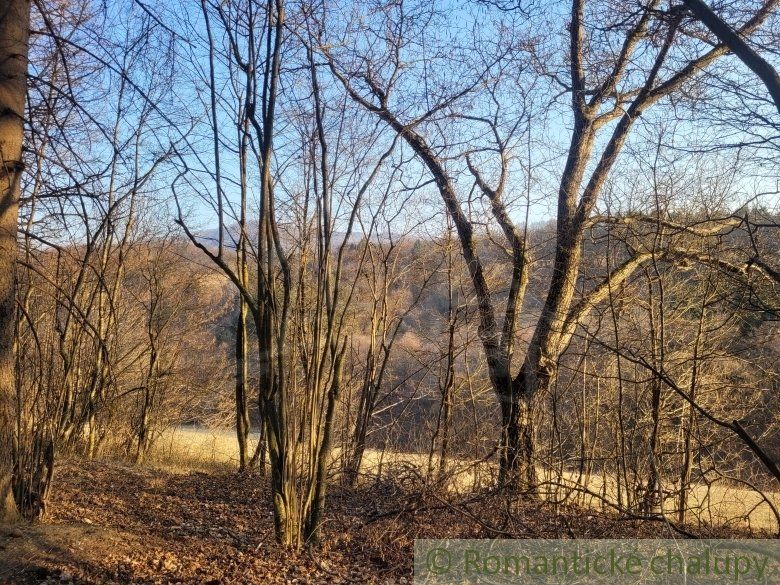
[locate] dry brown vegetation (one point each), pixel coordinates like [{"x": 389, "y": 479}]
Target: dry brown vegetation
[
  {"x": 287, "y": 284},
  {"x": 114, "y": 523},
  {"x": 726, "y": 505}
]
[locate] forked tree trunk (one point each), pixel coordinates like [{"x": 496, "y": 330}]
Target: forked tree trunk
[{"x": 14, "y": 32}]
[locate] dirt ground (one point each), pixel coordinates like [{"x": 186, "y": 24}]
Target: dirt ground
[{"x": 111, "y": 523}]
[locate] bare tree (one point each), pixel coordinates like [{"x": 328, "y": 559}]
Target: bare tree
[
  {"x": 605, "y": 102},
  {"x": 301, "y": 301}
]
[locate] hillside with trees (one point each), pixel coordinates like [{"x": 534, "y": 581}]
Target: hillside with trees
[{"x": 285, "y": 286}]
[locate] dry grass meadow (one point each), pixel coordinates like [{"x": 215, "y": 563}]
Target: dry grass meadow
[{"x": 184, "y": 449}]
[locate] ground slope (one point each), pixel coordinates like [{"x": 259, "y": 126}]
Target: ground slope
[{"x": 111, "y": 523}]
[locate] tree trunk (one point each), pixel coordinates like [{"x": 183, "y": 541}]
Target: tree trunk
[
  {"x": 287, "y": 527},
  {"x": 14, "y": 31},
  {"x": 446, "y": 424},
  {"x": 368, "y": 393},
  {"x": 258, "y": 459},
  {"x": 517, "y": 449},
  {"x": 687, "y": 466},
  {"x": 653, "y": 499},
  {"x": 142, "y": 439},
  {"x": 144, "y": 423},
  {"x": 317, "y": 504},
  {"x": 242, "y": 408},
  {"x": 355, "y": 458}
]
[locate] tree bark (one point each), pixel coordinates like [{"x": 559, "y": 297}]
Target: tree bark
[
  {"x": 517, "y": 449},
  {"x": 14, "y": 34}
]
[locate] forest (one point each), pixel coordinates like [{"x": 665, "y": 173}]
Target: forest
[{"x": 286, "y": 285}]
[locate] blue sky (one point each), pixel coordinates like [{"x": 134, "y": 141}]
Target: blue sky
[{"x": 444, "y": 54}]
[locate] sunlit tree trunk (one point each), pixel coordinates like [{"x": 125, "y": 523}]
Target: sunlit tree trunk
[
  {"x": 14, "y": 31},
  {"x": 242, "y": 339}
]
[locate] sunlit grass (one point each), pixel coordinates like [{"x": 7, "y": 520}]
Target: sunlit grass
[
  {"x": 197, "y": 449},
  {"x": 183, "y": 449}
]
